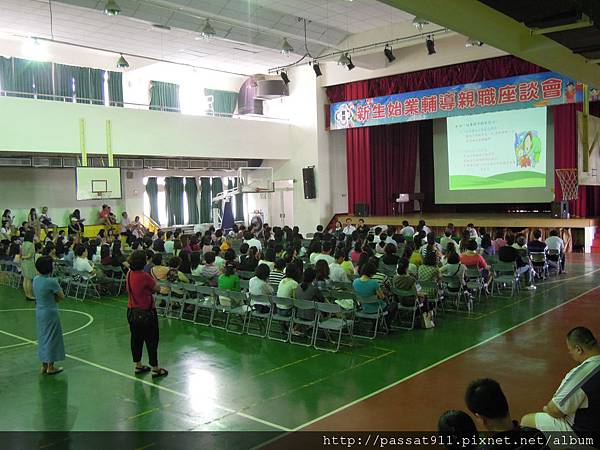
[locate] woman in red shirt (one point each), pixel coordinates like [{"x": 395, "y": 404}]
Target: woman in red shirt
[{"x": 141, "y": 315}]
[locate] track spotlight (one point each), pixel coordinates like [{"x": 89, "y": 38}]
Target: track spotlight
[
  {"x": 430, "y": 45},
  {"x": 122, "y": 63},
  {"x": 286, "y": 48},
  {"x": 343, "y": 60},
  {"x": 473, "y": 43},
  {"x": 350, "y": 65},
  {"x": 111, "y": 8},
  {"x": 317, "y": 69},
  {"x": 284, "y": 77},
  {"x": 389, "y": 54},
  {"x": 419, "y": 23},
  {"x": 208, "y": 32}
]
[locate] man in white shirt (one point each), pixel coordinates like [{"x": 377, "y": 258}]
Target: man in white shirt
[
  {"x": 125, "y": 223},
  {"x": 424, "y": 227},
  {"x": 349, "y": 228},
  {"x": 556, "y": 244},
  {"x": 407, "y": 230},
  {"x": 252, "y": 241},
  {"x": 377, "y": 235},
  {"x": 575, "y": 406},
  {"x": 325, "y": 254},
  {"x": 447, "y": 239},
  {"x": 81, "y": 263},
  {"x": 336, "y": 271}
]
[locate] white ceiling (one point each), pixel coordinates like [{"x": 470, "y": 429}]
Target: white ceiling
[{"x": 249, "y": 32}]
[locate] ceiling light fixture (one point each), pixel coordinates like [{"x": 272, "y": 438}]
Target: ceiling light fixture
[
  {"x": 112, "y": 8},
  {"x": 286, "y": 48},
  {"x": 419, "y": 23},
  {"x": 430, "y": 44},
  {"x": 389, "y": 54},
  {"x": 285, "y": 78},
  {"x": 122, "y": 62},
  {"x": 317, "y": 69},
  {"x": 473, "y": 43},
  {"x": 208, "y": 32}
]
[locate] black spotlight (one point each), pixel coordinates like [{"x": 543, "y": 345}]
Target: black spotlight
[
  {"x": 285, "y": 78},
  {"x": 317, "y": 69},
  {"x": 430, "y": 45},
  {"x": 350, "y": 64},
  {"x": 387, "y": 51}
]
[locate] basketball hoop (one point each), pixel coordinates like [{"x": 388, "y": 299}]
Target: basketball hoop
[{"x": 568, "y": 183}]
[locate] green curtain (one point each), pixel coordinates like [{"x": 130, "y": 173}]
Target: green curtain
[
  {"x": 239, "y": 204},
  {"x": 89, "y": 84},
  {"x": 63, "y": 82},
  {"x": 32, "y": 77},
  {"x": 164, "y": 96},
  {"x": 174, "y": 197},
  {"x": 191, "y": 191},
  {"x": 224, "y": 102},
  {"x": 7, "y": 80},
  {"x": 205, "y": 201},
  {"x": 152, "y": 191},
  {"x": 115, "y": 88},
  {"x": 217, "y": 188}
]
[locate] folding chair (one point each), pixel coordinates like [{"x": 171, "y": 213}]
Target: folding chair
[
  {"x": 539, "y": 264},
  {"x": 190, "y": 299},
  {"x": 434, "y": 299},
  {"x": 245, "y": 274},
  {"x": 245, "y": 285},
  {"x": 378, "y": 317},
  {"x": 490, "y": 259},
  {"x": 237, "y": 307},
  {"x": 199, "y": 279},
  {"x": 474, "y": 280},
  {"x": 260, "y": 319},
  {"x": 176, "y": 300},
  {"x": 83, "y": 281},
  {"x": 387, "y": 269},
  {"x": 161, "y": 303},
  {"x": 505, "y": 273},
  {"x": 118, "y": 278},
  {"x": 342, "y": 286},
  {"x": 205, "y": 303},
  {"x": 332, "y": 318},
  {"x": 407, "y": 311},
  {"x": 457, "y": 295},
  {"x": 555, "y": 261},
  {"x": 302, "y": 308},
  {"x": 285, "y": 321}
]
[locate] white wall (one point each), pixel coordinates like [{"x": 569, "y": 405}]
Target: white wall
[
  {"x": 45, "y": 126},
  {"x": 339, "y": 171}
]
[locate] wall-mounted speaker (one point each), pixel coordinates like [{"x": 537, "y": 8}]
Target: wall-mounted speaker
[{"x": 308, "y": 179}]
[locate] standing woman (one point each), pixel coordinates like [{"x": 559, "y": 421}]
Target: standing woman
[
  {"x": 28, "y": 265},
  {"x": 51, "y": 347},
  {"x": 141, "y": 315},
  {"x": 34, "y": 222}
]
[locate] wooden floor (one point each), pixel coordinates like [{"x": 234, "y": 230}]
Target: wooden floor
[{"x": 525, "y": 220}]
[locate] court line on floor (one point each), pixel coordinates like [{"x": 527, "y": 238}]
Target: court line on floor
[
  {"x": 89, "y": 316},
  {"x": 448, "y": 358},
  {"x": 157, "y": 386}
]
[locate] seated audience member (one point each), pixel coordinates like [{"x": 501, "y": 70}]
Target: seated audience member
[
  {"x": 447, "y": 241},
  {"x": 307, "y": 290},
  {"x": 555, "y": 243},
  {"x": 249, "y": 262},
  {"x": 325, "y": 254},
  {"x": 470, "y": 257},
  {"x": 455, "y": 271},
  {"x": 403, "y": 280},
  {"x": 485, "y": 399},
  {"x": 287, "y": 288},
  {"x": 259, "y": 285},
  {"x": 349, "y": 228},
  {"x": 366, "y": 286},
  {"x": 380, "y": 246},
  {"x": 277, "y": 274},
  {"x": 431, "y": 245},
  {"x": 355, "y": 253},
  {"x": 252, "y": 241},
  {"x": 229, "y": 279},
  {"x": 81, "y": 262},
  {"x": 76, "y": 226},
  {"x": 268, "y": 258},
  {"x": 510, "y": 254},
  {"x": 45, "y": 219},
  {"x": 424, "y": 227},
  {"x": 195, "y": 264},
  {"x": 537, "y": 245},
  {"x": 458, "y": 430},
  {"x": 152, "y": 260},
  {"x": 322, "y": 280},
  {"x": 487, "y": 247},
  {"x": 428, "y": 271},
  {"x": 499, "y": 240},
  {"x": 219, "y": 260},
  {"x": 104, "y": 216},
  {"x": 169, "y": 243},
  {"x": 413, "y": 254},
  {"x": 210, "y": 269},
  {"x": 336, "y": 272},
  {"x": 575, "y": 406},
  {"x": 186, "y": 264},
  {"x": 159, "y": 243}
]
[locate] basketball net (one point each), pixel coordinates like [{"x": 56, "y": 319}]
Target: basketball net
[{"x": 568, "y": 183}]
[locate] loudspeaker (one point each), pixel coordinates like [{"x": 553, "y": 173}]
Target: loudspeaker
[
  {"x": 560, "y": 210},
  {"x": 361, "y": 209},
  {"x": 308, "y": 179}
]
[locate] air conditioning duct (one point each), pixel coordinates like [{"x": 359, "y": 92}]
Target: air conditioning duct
[{"x": 271, "y": 89}]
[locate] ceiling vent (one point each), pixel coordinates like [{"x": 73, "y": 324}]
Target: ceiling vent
[
  {"x": 15, "y": 162},
  {"x": 135, "y": 164},
  {"x": 237, "y": 164},
  {"x": 69, "y": 162},
  {"x": 155, "y": 163},
  {"x": 179, "y": 164},
  {"x": 199, "y": 164},
  {"x": 218, "y": 164},
  {"x": 47, "y": 161}
]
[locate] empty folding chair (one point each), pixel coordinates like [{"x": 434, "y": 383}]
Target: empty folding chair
[
  {"x": 377, "y": 317},
  {"x": 118, "y": 279},
  {"x": 505, "y": 273},
  {"x": 257, "y": 318},
  {"x": 333, "y": 320},
  {"x": 304, "y": 315},
  {"x": 161, "y": 303},
  {"x": 190, "y": 302},
  {"x": 279, "y": 307},
  {"x": 405, "y": 296},
  {"x": 205, "y": 305},
  {"x": 176, "y": 300}
]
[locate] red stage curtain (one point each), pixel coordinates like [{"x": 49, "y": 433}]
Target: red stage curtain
[{"x": 394, "y": 152}]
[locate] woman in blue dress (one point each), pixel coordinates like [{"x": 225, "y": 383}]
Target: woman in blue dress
[{"x": 51, "y": 347}]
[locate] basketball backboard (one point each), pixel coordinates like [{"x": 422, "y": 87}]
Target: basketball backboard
[{"x": 254, "y": 180}]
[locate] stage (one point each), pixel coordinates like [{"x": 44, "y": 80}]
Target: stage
[{"x": 578, "y": 230}]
